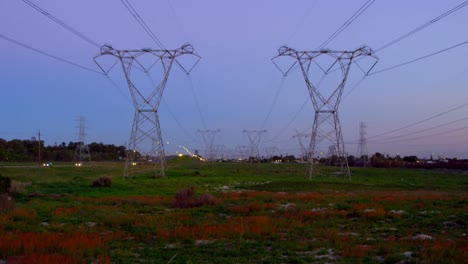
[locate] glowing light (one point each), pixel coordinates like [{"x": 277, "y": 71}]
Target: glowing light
[{"x": 181, "y": 155}]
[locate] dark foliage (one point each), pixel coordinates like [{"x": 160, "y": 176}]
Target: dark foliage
[
  {"x": 5, "y": 184},
  {"x": 102, "y": 182},
  {"x": 6, "y": 203},
  {"x": 185, "y": 199},
  {"x": 27, "y": 150}
]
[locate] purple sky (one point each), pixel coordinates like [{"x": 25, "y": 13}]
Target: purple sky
[{"x": 235, "y": 82}]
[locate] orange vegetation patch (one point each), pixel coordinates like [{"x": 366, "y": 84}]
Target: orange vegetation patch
[
  {"x": 143, "y": 200},
  {"x": 247, "y": 226},
  {"x": 49, "y": 247}
]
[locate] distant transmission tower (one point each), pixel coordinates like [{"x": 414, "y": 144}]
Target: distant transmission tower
[
  {"x": 331, "y": 156},
  {"x": 242, "y": 152},
  {"x": 362, "y": 154},
  {"x": 146, "y": 72},
  {"x": 270, "y": 151},
  {"x": 254, "y": 139},
  {"x": 300, "y": 137},
  {"x": 209, "y": 136},
  {"x": 326, "y": 126},
  {"x": 82, "y": 150}
]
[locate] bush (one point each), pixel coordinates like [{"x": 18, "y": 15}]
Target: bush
[
  {"x": 204, "y": 199},
  {"x": 5, "y": 184},
  {"x": 102, "y": 182},
  {"x": 185, "y": 199},
  {"x": 6, "y": 203}
]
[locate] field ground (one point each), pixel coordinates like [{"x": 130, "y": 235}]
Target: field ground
[{"x": 240, "y": 213}]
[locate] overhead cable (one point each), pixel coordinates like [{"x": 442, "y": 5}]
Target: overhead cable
[
  {"x": 48, "y": 54},
  {"x": 421, "y": 121},
  {"x": 61, "y": 23},
  {"x": 420, "y": 58},
  {"x": 142, "y": 23},
  {"x": 348, "y": 22},
  {"x": 420, "y": 131},
  {"x": 432, "y": 21}
]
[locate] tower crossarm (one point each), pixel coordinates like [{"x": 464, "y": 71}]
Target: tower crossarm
[{"x": 343, "y": 58}]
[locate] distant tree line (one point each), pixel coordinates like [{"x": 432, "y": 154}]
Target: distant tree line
[{"x": 17, "y": 150}]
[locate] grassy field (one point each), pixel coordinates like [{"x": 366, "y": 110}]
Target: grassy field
[{"x": 239, "y": 213}]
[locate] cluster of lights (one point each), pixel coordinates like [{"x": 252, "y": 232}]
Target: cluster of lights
[
  {"x": 78, "y": 164},
  {"x": 189, "y": 153}
]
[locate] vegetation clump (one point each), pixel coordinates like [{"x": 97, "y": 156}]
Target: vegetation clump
[
  {"x": 5, "y": 184},
  {"x": 102, "y": 182},
  {"x": 185, "y": 199},
  {"x": 6, "y": 203}
]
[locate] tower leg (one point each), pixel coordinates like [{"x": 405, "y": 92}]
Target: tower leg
[
  {"x": 340, "y": 147},
  {"x": 311, "y": 151},
  {"x": 131, "y": 156}
]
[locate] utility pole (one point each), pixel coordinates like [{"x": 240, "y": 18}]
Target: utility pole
[
  {"x": 81, "y": 150},
  {"x": 254, "y": 139},
  {"x": 326, "y": 101},
  {"x": 362, "y": 148},
  {"x": 39, "y": 148},
  {"x": 146, "y": 143},
  {"x": 209, "y": 136}
]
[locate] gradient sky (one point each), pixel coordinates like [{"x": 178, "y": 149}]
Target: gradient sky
[{"x": 236, "y": 83}]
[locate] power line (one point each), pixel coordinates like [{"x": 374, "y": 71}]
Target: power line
[
  {"x": 301, "y": 108},
  {"x": 273, "y": 104},
  {"x": 195, "y": 98},
  {"x": 142, "y": 23},
  {"x": 179, "y": 24},
  {"x": 48, "y": 54},
  {"x": 348, "y": 22},
  {"x": 302, "y": 19},
  {"x": 61, "y": 23},
  {"x": 420, "y": 58},
  {"x": 424, "y": 136},
  {"x": 421, "y": 121},
  {"x": 408, "y": 34},
  {"x": 176, "y": 120},
  {"x": 432, "y": 21},
  {"x": 422, "y": 130}
]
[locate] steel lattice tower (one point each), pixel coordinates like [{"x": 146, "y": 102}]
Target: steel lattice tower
[
  {"x": 254, "y": 139},
  {"x": 209, "y": 136},
  {"x": 146, "y": 144},
  {"x": 326, "y": 126},
  {"x": 242, "y": 152},
  {"x": 362, "y": 148},
  {"x": 304, "y": 150},
  {"x": 82, "y": 150}
]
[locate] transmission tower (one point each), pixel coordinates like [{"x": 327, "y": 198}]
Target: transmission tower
[
  {"x": 332, "y": 156},
  {"x": 300, "y": 137},
  {"x": 209, "y": 136},
  {"x": 254, "y": 139},
  {"x": 326, "y": 126},
  {"x": 362, "y": 154},
  {"x": 146, "y": 144},
  {"x": 82, "y": 150},
  {"x": 242, "y": 152},
  {"x": 270, "y": 151}
]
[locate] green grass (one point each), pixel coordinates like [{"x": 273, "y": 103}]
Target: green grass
[{"x": 264, "y": 213}]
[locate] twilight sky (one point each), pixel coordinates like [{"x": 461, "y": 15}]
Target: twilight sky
[{"x": 235, "y": 84}]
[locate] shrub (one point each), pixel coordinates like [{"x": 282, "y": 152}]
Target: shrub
[
  {"x": 102, "y": 182},
  {"x": 5, "y": 184},
  {"x": 185, "y": 199},
  {"x": 6, "y": 203},
  {"x": 204, "y": 199}
]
